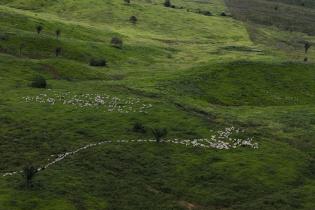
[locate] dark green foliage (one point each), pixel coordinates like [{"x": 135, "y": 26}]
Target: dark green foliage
[
  {"x": 206, "y": 13},
  {"x": 223, "y": 14},
  {"x": 98, "y": 62},
  {"x": 159, "y": 134},
  {"x": 39, "y": 82},
  {"x": 39, "y": 29},
  {"x": 58, "y": 33},
  {"x": 117, "y": 42},
  {"x": 4, "y": 37},
  {"x": 21, "y": 47},
  {"x": 133, "y": 19},
  {"x": 58, "y": 51},
  {"x": 307, "y": 46},
  {"x": 139, "y": 128},
  {"x": 29, "y": 173},
  {"x": 127, "y": 1},
  {"x": 167, "y": 3}
]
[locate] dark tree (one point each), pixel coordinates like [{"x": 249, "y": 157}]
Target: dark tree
[
  {"x": 159, "y": 134},
  {"x": 127, "y": 1},
  {"x": 117, "y": 42},
  {"x": 29, "y": 173},
  {"x": 21, "y": 47},
  {"x": 39, "y": 29},
  {"x": 167, "y": 3},
  {"x": 39, "y": 82},
  {"x": 133, "y": 19},
  {"x": 139, "y": 128},
  {"x": 307, "y": 46},
  {"x": 58, "y": 33},
  {"x": 58, "y": 51}
]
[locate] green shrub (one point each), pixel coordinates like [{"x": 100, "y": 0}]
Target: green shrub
[
  {"x": 98, "y": 62},
  {"x": 139, "y": 128},
  {"x": 39, "y": 29},
  {"x": 39, "y": 82},
  {"x": 133, "y": 19},
  {"x": 167, "y": 3},
  {"x": 117, "y": 42}
]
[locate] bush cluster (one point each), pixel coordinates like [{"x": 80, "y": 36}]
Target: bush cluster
[{"x": 98, "y": 62}]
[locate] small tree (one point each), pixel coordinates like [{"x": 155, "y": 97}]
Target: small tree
[
  {"x": 21, "y": 47},
  {"x": 58, "y": 33},
  {"x": 58, "y": 51},
  {"x": 159, "y": 134},
  {"x": 133, "y": 19},
  {"x": 39, "y": 82},
  {"x": 29, "y": 173},
  {"x": 167, "y": 3},
  {"x": 39, "y": 29},
  {"x": 307, "y": 46},
  {"x": 117, "y": 42}
]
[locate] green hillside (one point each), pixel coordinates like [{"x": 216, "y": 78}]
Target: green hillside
[{"x": 211, "y": 73}]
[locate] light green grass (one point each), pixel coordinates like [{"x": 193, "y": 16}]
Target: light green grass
[{"x": 200, "y": 73}]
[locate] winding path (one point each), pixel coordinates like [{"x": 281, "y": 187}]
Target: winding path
[{"x": 202, "y": 143}]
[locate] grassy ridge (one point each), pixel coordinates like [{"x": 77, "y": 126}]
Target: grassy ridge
[{"x": 191, "y": 68}]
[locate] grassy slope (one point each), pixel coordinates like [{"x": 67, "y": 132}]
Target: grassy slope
[
  {"x": 188, "y": 66},
  {"x": 285, "y": 24}
]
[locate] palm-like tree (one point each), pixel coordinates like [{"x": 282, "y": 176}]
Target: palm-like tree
[
  {"x": 159, "y": 134},
  {"x": 58, "y": 33},
  {"x": 39, "y": 29},
  {"x": 307, "y": 46},
  {"x": 29, "y": 173}
]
